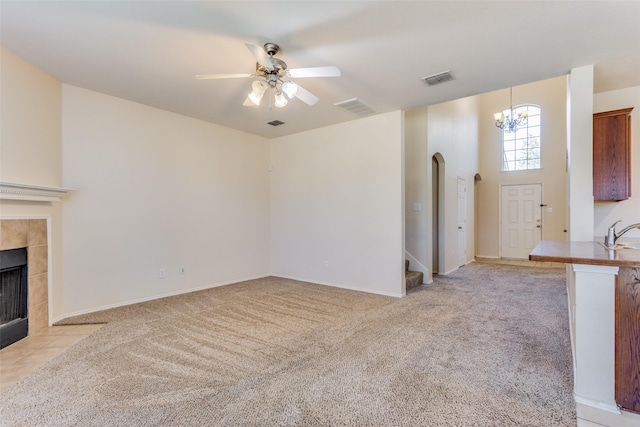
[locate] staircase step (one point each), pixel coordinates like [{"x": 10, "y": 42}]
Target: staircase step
[{"x": 413, "y": 279}]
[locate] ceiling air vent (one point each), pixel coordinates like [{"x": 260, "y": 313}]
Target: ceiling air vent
[
  {"x": 438, "y": 78},
  {"x": 356, "y": 107},
  {"x": 275, "y": 123}
]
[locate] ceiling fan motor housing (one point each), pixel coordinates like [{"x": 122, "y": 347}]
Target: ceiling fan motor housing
[
  {"x": 279, "y": 67},
  {"x": 271, "y": 48}
]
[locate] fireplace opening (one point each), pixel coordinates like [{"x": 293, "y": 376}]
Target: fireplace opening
[{"x": 14, "y": 324}]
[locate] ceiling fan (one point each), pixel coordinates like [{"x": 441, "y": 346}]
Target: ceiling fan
[{"x": 273, "y": 74}]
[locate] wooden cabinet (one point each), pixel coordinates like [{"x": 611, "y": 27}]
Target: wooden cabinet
[
  {"x": 627, "y": 339},
  {"x": 612, "y": 155}
]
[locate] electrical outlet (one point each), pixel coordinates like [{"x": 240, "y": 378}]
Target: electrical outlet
[
  {"x": 163, "y": 273},
  {"x": 326, "y": 264}
]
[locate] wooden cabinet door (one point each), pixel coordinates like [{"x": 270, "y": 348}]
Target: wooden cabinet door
[
  {"x": 627, "y": 339},
  {"x": 612, "y": 155}
]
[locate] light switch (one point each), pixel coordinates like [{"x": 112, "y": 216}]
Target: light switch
[
  {"x": 549, "y": 210},
  {"x": 417, "y": 207}
]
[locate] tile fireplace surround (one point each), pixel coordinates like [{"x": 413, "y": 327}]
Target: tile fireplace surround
[{"x": 32, "y": 234}]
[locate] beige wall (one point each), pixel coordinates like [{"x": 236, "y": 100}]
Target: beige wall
[
  {"x": 156, "y": 190},
  {"x": 336, "y": 205},
  {"x": 417, "y": 191},
  {"x": 606, "y": 213},
  {"x": 450, "y": 129},
  {"x": 140, "y": 171},
  {"x": 31, "y": 120},
  {"x": 550, "y": 95},
  {"x": 453, "y": 133},
  {"x": 31, "y": 151}
]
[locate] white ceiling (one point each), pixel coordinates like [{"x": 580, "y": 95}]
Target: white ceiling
[{"x": 149, "y": 51}]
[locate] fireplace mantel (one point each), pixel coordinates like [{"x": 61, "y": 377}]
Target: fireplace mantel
[{"x": 32, "y": 193}]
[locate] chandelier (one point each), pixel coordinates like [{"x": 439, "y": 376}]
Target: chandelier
[{"x": 510, "y": 122}]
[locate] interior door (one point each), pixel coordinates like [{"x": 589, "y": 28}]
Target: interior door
[
  {"x": 462, "y": 222},
  {"x": 521, "y": 224}
]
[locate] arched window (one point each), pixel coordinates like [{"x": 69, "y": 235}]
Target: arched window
[{"x": 521, "y": 148}]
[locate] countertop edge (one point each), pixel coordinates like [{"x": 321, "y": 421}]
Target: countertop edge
[{"x": 588, "y": 253}]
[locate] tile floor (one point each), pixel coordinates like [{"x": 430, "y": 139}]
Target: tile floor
[
  {"x": 20, "y": 359},
  {"x": 521, "y": 262},
  {"x": 25, "y": 356}
]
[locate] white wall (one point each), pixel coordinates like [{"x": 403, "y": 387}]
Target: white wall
[
  {"x": 606, "y": 213},
  {"x": 31, "y": 151},
  {"x": 550, "y": 95},
  {"x": 157, "y": 190},
  {"x": 336, "y": 205},
  {"x": 452, "y": 131}
]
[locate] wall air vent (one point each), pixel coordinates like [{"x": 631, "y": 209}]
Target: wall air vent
[
  {"x": 438, "y": 78},
  {"x": 356, "y": 107},
  {"x": 275, "y": 123}
]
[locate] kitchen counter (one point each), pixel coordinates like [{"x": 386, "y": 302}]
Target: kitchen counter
[
  {"x": 603, "y": 289},
  {"x": 591, "y": 253}
]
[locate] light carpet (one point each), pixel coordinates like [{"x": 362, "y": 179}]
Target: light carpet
[{"x": 485, "y": 346}]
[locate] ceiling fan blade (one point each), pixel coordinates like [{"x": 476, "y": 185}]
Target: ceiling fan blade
[
  {"x": 305, "y": 96},
  {"x": 330, "y": 71},
  {"x": 260, "y": 54},
  {"x": 222, "y": 76}
]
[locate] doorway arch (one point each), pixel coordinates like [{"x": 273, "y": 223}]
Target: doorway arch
[{"x": 437, "y": 214}]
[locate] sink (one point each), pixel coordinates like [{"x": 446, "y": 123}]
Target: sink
[
  {"x": 622, "y": 245},
  {"x": 628, "y": 245}
]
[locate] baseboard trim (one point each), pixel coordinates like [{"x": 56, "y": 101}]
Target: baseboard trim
[
  {"x": 601, "y": 414},
  {"x": 336, "y": 285},
  {"x": 487, "y": 256},
  {"x": 151, "y": 298},
  {"x": 600, "y": 406}
]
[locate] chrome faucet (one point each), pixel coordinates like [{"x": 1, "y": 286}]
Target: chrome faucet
[{"x": 612, "y": 237}]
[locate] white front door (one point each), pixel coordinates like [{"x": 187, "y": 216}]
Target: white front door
[
  {"x": 521, "y": 227},
  {"x": 462, "y": 222}
]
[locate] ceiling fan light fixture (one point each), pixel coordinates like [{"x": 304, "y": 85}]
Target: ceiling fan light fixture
[
  {"x": 258, "y": 88},
  {"x": 255, "y": 98},
  {"x": 280, "y": 100},
  {"x": 290, "y": 88}
]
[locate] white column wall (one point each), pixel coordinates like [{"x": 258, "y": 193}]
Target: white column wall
[{"x": 580, "y": 153}]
